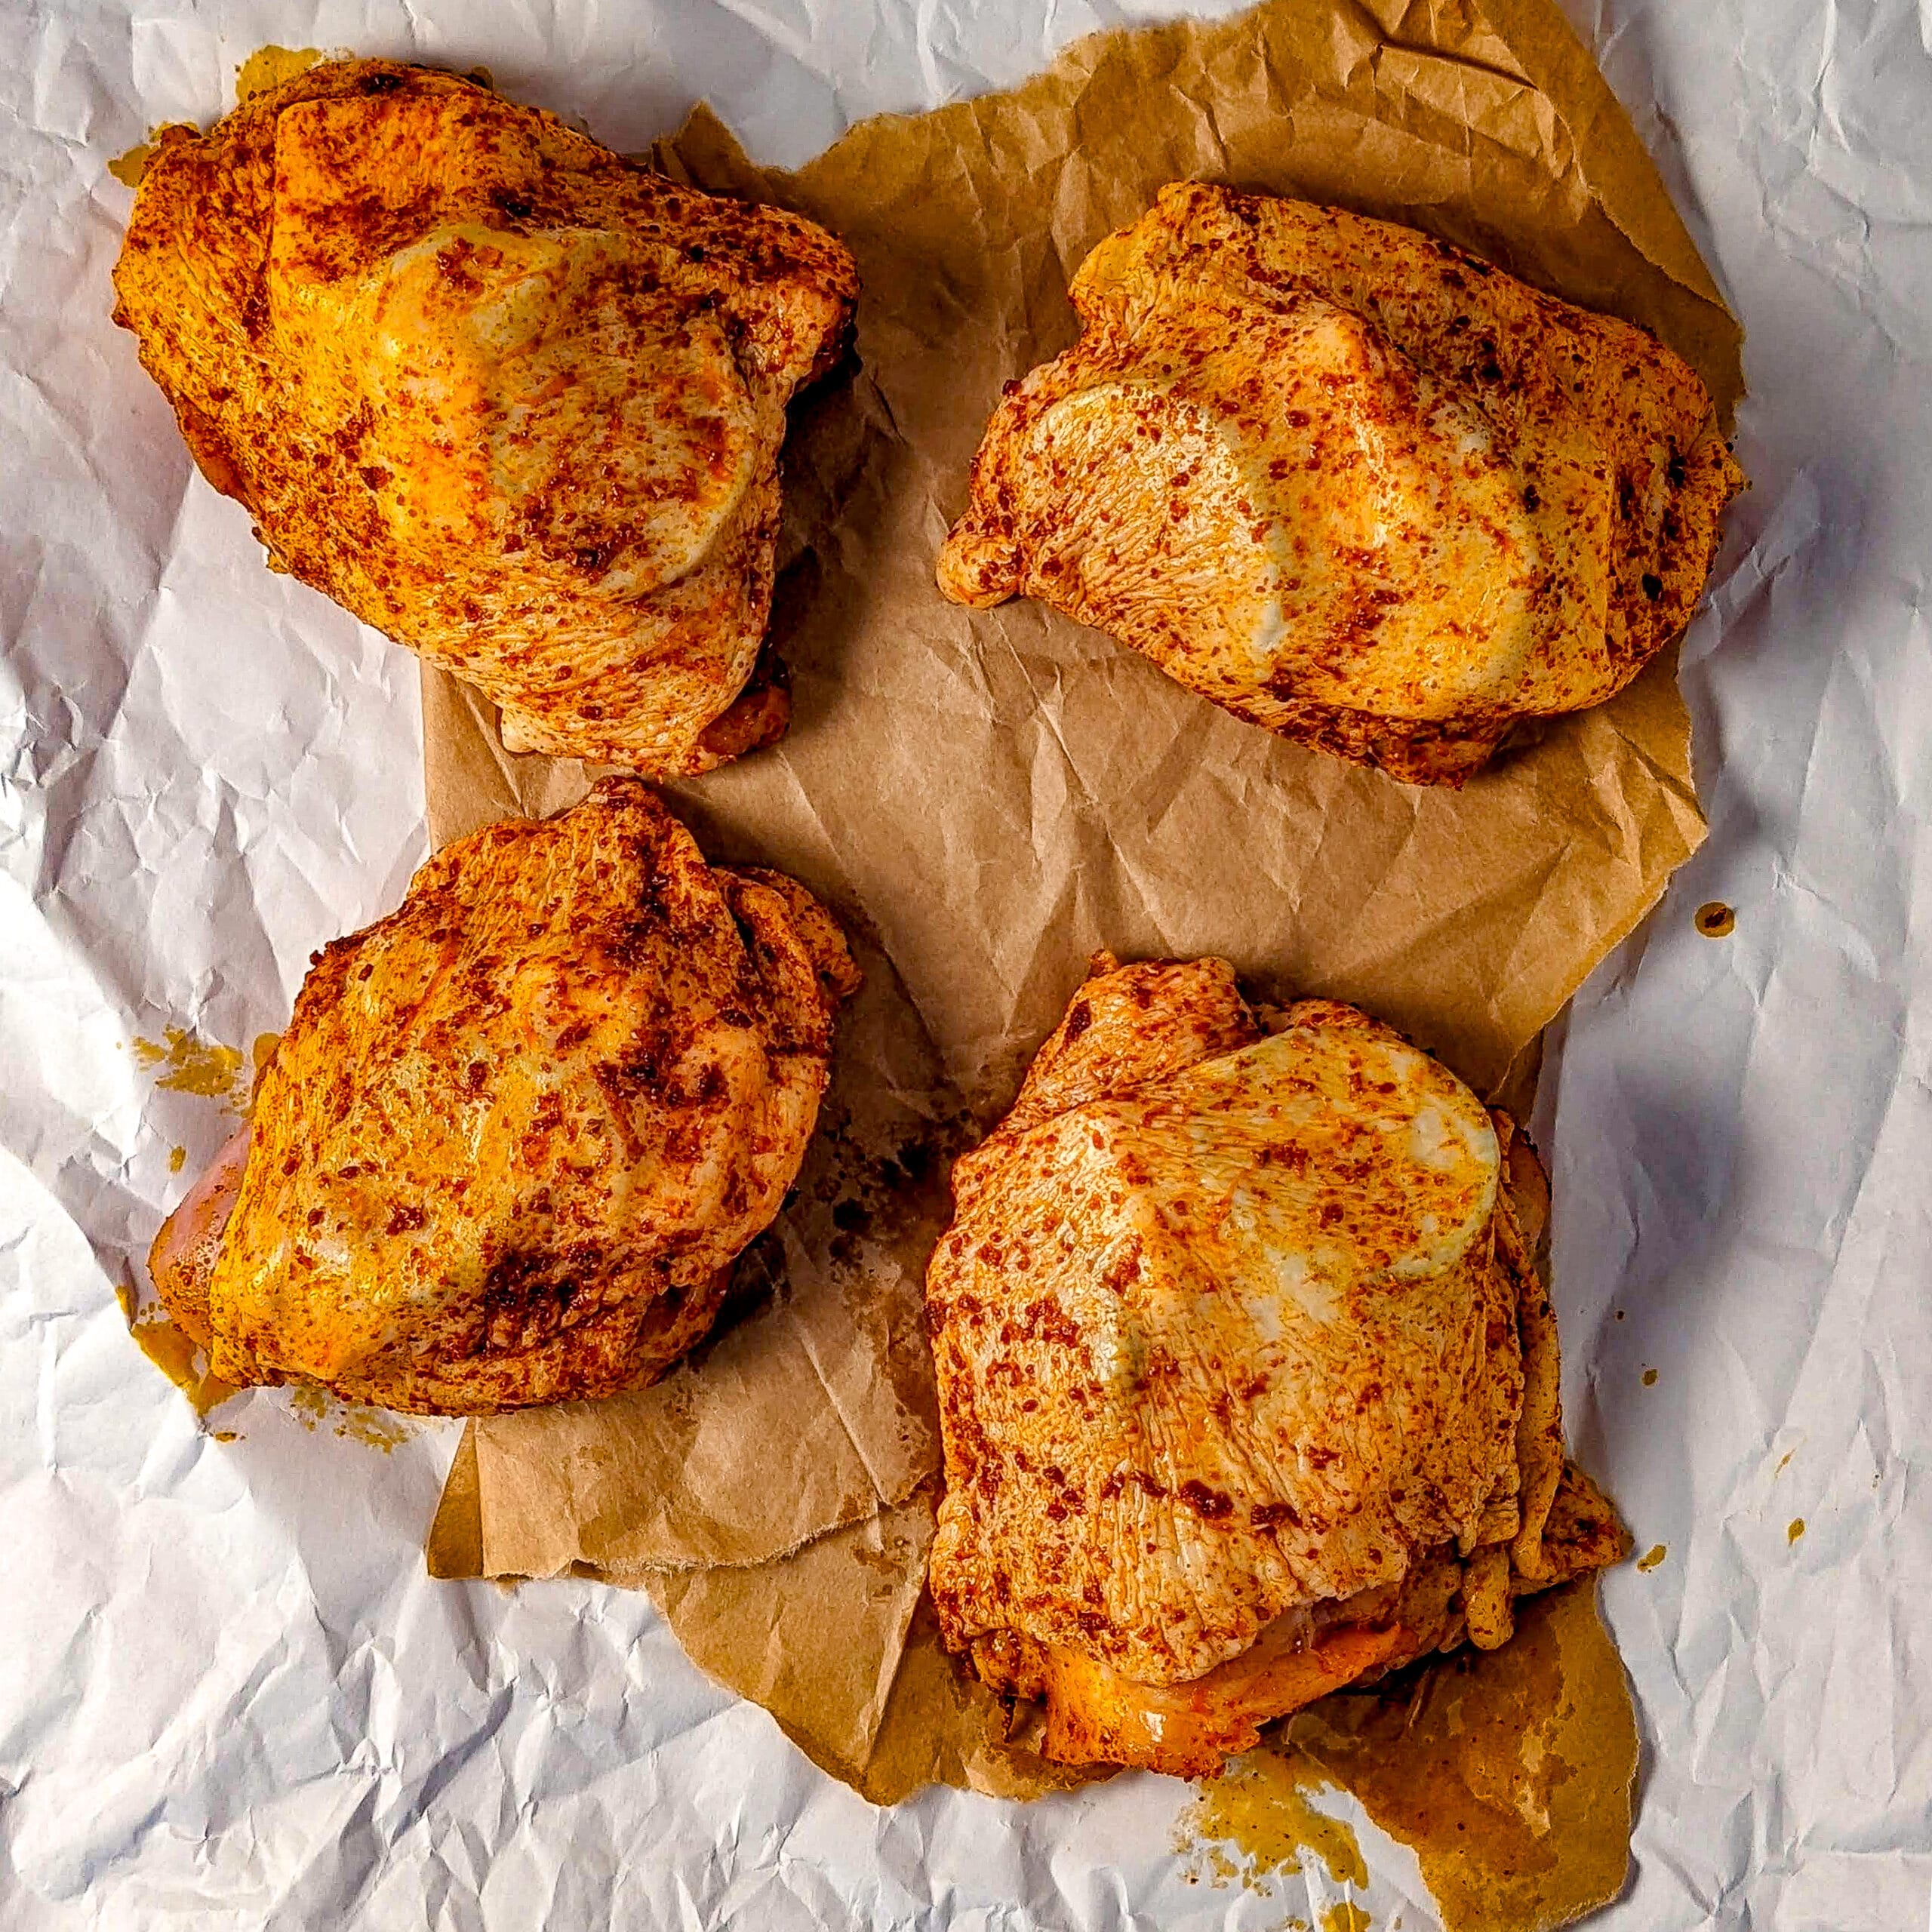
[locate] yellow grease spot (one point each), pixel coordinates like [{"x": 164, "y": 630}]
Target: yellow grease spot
[
  {"x": 264, "y": 1049},
  {"x": 312, "y": 1403},
  {"x": 130, "y": 169},
  {"x": 1715, "y": 920},
  {"x": 309, "y": 1403},
  {"x": 192, "y": 1065},
  {"x": 377, "y": 1427},
  {"x": 1344, "y": 1916},
  {"x": 1796, "y": 1530},
  {"x": 227, "y": 1435},
  {"x": 1509, "y": 1773},
  {"x": 1258, "y": 1805},
  {"x": 1652, "y": 1556},
  {"x": 176, "y": 1354},
  {"x": 176, "y": 1159},
  {"x": 269, "y": 67},
  {"x": 1650, "y": 1378},
  {"x": 181, "y": 1359},
  {"x": 1782, "y": 1460}
]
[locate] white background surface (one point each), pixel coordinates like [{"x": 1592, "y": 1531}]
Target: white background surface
[{"x": 229, "y": 1696}]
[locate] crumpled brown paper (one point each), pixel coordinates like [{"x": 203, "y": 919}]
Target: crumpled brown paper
[{"x": 986, "y": 798}]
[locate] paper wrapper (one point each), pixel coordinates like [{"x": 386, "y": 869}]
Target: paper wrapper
[{"x": 986, "y": 798}]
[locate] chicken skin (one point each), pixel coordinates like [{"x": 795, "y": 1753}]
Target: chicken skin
[
  {"x": 1247, "y": 1384},
  {"x": 508, "y": 398},
  {"x": 1350, "y": 483},
  {"x": 517, "y": 1132}
]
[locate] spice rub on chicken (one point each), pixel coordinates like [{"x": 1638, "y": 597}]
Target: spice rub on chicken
[
  {"x": 518, "y": 1132},
  {"x": 1350, "y": 483},
  {"x": 511, "y": 399},
  {"x": 1248, "y": 1385}
]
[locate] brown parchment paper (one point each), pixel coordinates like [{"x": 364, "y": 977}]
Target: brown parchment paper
[
  {"x": 812, "y": 1411},
  {"x": 986, "y": 798}
]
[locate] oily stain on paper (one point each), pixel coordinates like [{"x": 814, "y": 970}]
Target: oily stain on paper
[
  {"x": 269, "y": 67},
  {"x": 182, "y": 1360},
  {"x": 188, "y": 1064},
  {"x": 1259, "y": 1806},
  {"x": 175, "y": 1353},
  {"x": 131, "y": 168},
  {"x": 354, "y": 1421},
  {"x": 206, "y": 1069},
  {"x": 1508, "y": 1774}
]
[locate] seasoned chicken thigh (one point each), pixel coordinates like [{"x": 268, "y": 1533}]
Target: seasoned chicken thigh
[
  {"x": 1349, "y": 482},
  {"x": 517, "y": 1132},
  {"x": 510, "y": 398},
  {"x": 1247, "y": 1386}
]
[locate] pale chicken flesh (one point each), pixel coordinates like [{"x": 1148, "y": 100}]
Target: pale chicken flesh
[
  {"x": 1248, "y": 1386},
  {"x": 1349, "y": 482},
  {"x": 517, "y": 1133},
  {"x": 510, "y": 398}
]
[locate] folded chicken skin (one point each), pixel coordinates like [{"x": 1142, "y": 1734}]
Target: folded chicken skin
[
  {"x": 510, "y": 398},
  {"x": 1349, "y": 482},
  {"x": 517, "y": 1133},
  {"x": 1248, "y": 1386}
]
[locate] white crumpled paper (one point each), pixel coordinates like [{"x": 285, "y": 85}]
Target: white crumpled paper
[{"x": 229, "y": 1696}]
